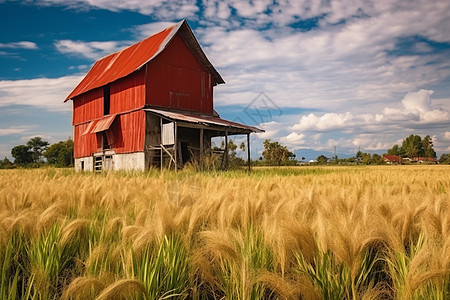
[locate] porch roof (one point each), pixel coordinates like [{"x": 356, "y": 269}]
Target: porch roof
[{"x": 199, "y": 120}]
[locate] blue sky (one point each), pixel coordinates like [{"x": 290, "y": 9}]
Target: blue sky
[{"x": 313, "y": 74}]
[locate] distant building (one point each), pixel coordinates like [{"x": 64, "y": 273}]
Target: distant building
[
  {"x": 429, "y": 160},
  {"x": 392, "y": 159},
  {"x": 149, "y": 105},
  {"x": 396, "y": 159}
]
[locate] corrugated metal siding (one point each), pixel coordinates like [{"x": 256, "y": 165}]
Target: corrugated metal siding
[
  {"x": 175, "y": 79},
  {"x": 128, "y": 93},
  {"x": 88, "y": 106},
  {"x": 84, "y": 144},
  {"x": 129, "y": 132}
]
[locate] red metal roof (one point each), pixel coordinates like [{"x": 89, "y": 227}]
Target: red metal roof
[
  {"x": 202, "y": 119},
  {"x": 128, "y": 60}
]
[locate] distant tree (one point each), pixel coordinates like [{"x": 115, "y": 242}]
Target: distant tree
[
  {"x": 445, "y": 159},
  {"x": 277, "y": 154},
  {"x": 322, "y": 159},
  {"x": 22, "y": 155},
  {"x": 242, "y": 146},
  {"x": 60, "y": 154},
  {"x": 412, "y": 146},
  {"x": 395, "y": 150},
  {"x": 37, "y": 147},
  {"x": 232, "y": 149},
  {"x": 358, "y": 157},
  {"x": 366, "y": 158},
  {"x": 427, "y": 144},
  {"x": 6, "y": 164},
  {"x": 377, "y": 159},
  {"x": 234, "y": 160}
]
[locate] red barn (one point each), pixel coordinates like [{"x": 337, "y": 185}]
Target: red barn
[{"x": 150, "y": 104}]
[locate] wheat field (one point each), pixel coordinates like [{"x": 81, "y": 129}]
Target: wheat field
[{"x": 291, "y": 233}]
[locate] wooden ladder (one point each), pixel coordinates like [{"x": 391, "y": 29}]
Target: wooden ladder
[{"x": 98, "y": 164}]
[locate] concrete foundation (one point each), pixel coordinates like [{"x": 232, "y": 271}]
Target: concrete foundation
[
  {"x": 127, "y": 161},
  {"x": 84, "y": 164}
]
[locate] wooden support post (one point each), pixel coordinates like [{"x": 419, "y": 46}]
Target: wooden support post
[
  {"x": 201, "y": 149},
  {"x": 226, "y": 149},
  {"x": 175, "y": 146},
  {"x": 160, "y": 142},
  {"x": 248, "y": 152}
]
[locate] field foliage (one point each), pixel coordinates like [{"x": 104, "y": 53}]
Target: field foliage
[{"x": 294, "y": 233}]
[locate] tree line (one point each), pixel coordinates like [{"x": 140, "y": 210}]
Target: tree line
[
  {"x": 37, "y": 152},
  {"x": 412, "y": 147}
]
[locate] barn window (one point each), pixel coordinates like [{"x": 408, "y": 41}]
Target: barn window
[
  {"x": 105, "y": 143},
  {"x": 106, "y": 100}
]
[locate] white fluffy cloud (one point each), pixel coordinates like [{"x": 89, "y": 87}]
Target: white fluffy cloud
[
  {"x": 336, "y": 122},
  {"x": 46, "y": 93},
  {"x": 271, "y": 129},
  {"x": 416, "y": 108},
  {"x": 14, "y": 130},
  {"x": 91, "y": 50},
  {"x": 294, "y": 140},
  {"x": 19, "y": 45},
  {"x": 446, "y": 136},
  {"x": 371, "y": 131},
  {"x": 161, "y": 8},
  {"x": 145, "y": 30},
  {"x": 351, "y": 66}
]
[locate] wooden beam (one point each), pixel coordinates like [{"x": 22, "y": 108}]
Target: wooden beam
[
  {"x": 226, "y": 150},
  {"x": 201, "y": 149},
  {"x": 248, "y": 152},
  {"x": 160, "y": 141},
  {"x": 175, "y": 146}
]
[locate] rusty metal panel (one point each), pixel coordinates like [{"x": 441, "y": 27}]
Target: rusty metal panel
[
  {"x": 103, "y": 124},
  {"x": 89, "y": 128}
]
